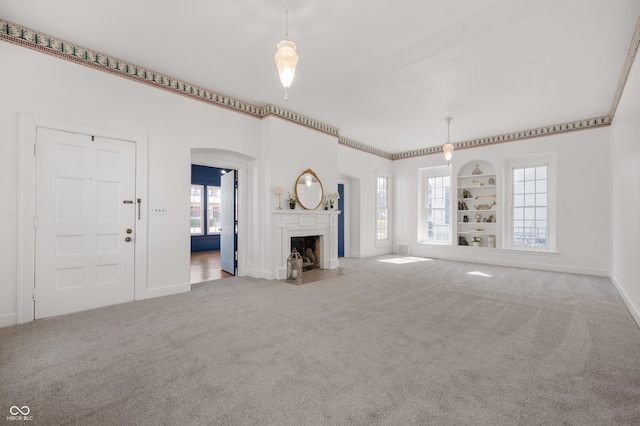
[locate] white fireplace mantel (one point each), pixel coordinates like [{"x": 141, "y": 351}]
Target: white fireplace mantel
[{"x": 304, "y": 223}]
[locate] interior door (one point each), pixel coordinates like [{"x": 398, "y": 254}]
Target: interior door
[
  {"x": 228, "y": 222},
  {"x": 85, "y": 222}
]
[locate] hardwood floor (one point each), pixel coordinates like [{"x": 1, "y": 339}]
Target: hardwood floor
[{"x": 205, "y": 266}]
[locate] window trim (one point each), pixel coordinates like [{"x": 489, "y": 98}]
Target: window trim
[
  {"x": 424, "y": 174},
  {"x": 383, "y": 242},
  {"x": 548, "y": 159}
]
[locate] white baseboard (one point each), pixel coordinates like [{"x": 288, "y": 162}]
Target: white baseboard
[
  {"x": 8, "y": 320},
  {"x": 166, "y": 291},
  {"x": 355, "y": 253},
  {"x": 633, "y": 309},
  {"x": 265, "y": 275}
]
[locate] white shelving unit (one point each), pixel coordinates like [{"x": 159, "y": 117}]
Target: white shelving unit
[{"x": 477, "y": 204}]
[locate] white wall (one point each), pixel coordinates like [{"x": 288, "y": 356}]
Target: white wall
[
  {"x": 625, "y": 194},
  {"x": 45, "y": 86},
  {"x": 583, "y": 210},
  {"x": 360, "y": 169}
]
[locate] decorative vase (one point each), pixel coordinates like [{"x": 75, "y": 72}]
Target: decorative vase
[
  {"x": 292, "y": 206},
  {"x": 476, "y": 244}
]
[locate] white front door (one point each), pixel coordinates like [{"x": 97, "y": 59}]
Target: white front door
[
  {"x": 85, "y": 222},
  {"x": 228, "y": 222}
]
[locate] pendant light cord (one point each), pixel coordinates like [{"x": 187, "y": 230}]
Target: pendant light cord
[{"x": 286, "y": 24}]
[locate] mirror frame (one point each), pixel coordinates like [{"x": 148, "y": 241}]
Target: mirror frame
[{"x": 311, "y": 172}]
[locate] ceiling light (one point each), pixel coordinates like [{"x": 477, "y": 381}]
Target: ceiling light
[
  {"x": 448, "y": 147},
  {"x": 286, "y": 59}
]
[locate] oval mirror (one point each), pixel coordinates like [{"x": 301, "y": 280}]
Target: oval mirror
[{"x": 309, "y": 190}]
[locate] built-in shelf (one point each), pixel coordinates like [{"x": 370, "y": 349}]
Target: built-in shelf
[{"x": 477, "y": 186}]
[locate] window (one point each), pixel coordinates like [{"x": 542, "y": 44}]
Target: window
[
  {"x": 197, "y": 202},
  {"x": 530, "y": 207},
  {"x": 434, "y": 221},
  {"x": 201, "y": 196},
  {"x": 439, "y": 208},
  {"x": 531, "y": 189},
  {"x": 383, "y": 209}
]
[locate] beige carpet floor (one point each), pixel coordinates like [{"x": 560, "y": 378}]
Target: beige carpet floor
[{"x": 393, "y": 342}]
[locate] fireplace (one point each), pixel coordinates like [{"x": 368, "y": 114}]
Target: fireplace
[
  {"x": 309, "y": 249},
  {"x": 321, "y": 225}
]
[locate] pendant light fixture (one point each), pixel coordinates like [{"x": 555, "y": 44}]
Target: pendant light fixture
[
  {"x": 286, "y": 59},
  {"x": 447, "y": 148}
]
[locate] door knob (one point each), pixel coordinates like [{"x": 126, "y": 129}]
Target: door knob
[
  {"x": 129, "y": 230},
  {"x": 128, "y": 239}
]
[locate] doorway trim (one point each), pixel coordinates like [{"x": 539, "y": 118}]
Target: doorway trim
[{"x": 27, "y": 138}]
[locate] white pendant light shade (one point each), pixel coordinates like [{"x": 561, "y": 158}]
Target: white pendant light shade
[
  {"x": 286, "y": 61},
  {"x": 448, "y": 151}
]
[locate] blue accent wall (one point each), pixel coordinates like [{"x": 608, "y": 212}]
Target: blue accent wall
[{"x": 203, "y": 175}]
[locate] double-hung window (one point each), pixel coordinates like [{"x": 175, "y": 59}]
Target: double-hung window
[
  {"x": 434, "y": 222},
  {"x": 383, "y": 208},
  {"x": 532, "y": 193},
  {"x": 439, "y": 209},
  {"x": 197, "y": 209}
]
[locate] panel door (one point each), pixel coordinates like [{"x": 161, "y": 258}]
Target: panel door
[{"x": 85, "y": 222}]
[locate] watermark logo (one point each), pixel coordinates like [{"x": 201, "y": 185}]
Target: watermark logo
[
  {"x": 19, "y": 413},
  {"x": 15, "y": 410}
]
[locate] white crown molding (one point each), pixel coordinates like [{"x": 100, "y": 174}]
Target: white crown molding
[{"x": 41, "y": 42}]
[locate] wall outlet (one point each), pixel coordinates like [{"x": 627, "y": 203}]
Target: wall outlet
[{"x": 159, "y": 210}]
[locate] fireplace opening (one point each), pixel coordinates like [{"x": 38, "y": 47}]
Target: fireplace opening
[{"x": 309, "y": 249}]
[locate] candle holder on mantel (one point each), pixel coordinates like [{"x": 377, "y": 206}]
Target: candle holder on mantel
[
  {"x": 279, "y": 191},
  {"x": 294, "y": 266}
]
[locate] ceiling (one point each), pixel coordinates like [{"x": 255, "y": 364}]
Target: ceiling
[{"x": 386, "y": 74}]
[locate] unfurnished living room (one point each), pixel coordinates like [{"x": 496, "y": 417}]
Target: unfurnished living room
[{"x": 320, "y": 212}]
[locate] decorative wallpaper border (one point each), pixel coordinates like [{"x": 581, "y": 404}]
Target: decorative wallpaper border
[
  {"x": 39, "y": 41},
  {"x": 363, "y": 147},
  {"x": 510, "y": 137}
]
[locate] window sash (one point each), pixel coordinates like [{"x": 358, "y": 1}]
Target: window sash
[
  {"x": 438, "y": 209},
  {"x": 382, "y": 210},
  {"x": 530, "y": 206},
  {"x": 197, "y": 210}
]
